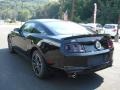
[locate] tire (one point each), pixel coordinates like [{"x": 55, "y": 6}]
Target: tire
[
  {"x": 11, "y": 49},
  {"x": 39, "y": 66}
]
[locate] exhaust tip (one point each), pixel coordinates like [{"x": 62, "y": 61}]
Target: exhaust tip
[{"x": 73, "y": 75}]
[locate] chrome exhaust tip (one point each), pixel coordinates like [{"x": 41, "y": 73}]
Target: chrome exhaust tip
[{"x": 73, "y": 75}]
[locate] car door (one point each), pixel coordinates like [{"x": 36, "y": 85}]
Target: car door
[
  {"x": 17, "y": 37},
  {"x": 26, "y": 33},
  {"x": 39, "y": 32},
  {"x": 21, "y": 40}
]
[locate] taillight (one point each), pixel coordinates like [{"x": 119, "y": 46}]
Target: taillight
[
  {"x": 110, "y": 44},
  {"x": 75, "y": 47},
  {"x": 114, "y": 30}
]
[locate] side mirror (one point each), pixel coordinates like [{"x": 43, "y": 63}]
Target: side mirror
[{"x": 16, "y": 29}]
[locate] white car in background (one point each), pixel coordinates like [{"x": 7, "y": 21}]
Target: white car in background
[
  {"x": 1, "y": 21},
  {"x": 111, "y": 29},
  {"x": 95, "y": 27}
]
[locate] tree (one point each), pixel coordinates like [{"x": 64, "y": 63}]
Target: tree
[
  {"x": 49, "y": 10},
  {"x": 24, "y": 15},
  {"x": 108, "y": 11},
  {"x": 78, "y": 10}
]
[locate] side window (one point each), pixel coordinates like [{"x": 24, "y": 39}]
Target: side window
[
  {"x": 32, "y": 28},
  {"x": 35, "y": 30},
  {"x": 41, "y": 30},
  {"x": 27, "y": 27}
]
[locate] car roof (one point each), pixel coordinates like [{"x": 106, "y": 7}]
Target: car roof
[
  {"x": 45, "y": 20},
  {"x": 93, "y": 24},
  {"x": 112, "y": 24}
]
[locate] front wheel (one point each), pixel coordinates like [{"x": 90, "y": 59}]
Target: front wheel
[{"x": 39, "y": 65}]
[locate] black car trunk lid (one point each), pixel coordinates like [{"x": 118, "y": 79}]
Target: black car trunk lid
[{"x": 89, "y": 43}]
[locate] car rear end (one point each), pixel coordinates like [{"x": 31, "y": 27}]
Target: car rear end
[
  {"x": 95, "y": 27},
  {"x": 110, "y": 29},
  {"x": 79, "y": 50},
  {"x": 99, "y": 28},
  {"x": 87, "y": 53}
]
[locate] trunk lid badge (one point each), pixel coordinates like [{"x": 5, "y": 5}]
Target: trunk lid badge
[{"x": 98, "y": 45}]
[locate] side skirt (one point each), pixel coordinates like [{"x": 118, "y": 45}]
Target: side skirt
[{"x": 22, "y": 53}]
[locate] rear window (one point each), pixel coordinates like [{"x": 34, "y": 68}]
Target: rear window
[
  {"x": 64, "y": 28},
  {"x": 98, "y": 25},
  {"x": 109, "y": 26}
]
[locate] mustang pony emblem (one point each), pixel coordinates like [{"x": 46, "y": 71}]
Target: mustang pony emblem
[{"x": 98, "y": 45}]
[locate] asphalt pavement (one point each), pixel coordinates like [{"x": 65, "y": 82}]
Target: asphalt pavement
[{"x": 16, "y": 72}]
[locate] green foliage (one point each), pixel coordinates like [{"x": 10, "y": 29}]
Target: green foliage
[
  {"x": 24, "y": 15},
  {"x": 49, "y": 10},
  {"x": 107, "y": 12},
  {"x": 19, "y": 9}
]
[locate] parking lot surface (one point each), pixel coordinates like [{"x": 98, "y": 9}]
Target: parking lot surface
[{"x": 16, "y": 72}]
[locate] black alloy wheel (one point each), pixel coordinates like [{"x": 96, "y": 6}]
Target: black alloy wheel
[{"x": 39, "y": 65}]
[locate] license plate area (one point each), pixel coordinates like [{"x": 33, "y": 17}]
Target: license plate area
[{"x": 96, "y": 60}]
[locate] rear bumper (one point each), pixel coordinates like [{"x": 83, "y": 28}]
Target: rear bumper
[
  {"x": 82, "y": 63},
  {"x": 86, "y": 64},
  {"x": 87, "y": 54},
  {"x": 85, "y": 70}
]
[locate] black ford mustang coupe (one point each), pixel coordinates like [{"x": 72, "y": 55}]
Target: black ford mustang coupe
[{"x": 63, "y": 45}]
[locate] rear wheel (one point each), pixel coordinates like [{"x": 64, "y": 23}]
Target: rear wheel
[
  {"x": 11, "y": 49},
  {"x": 39, "y": 65}
]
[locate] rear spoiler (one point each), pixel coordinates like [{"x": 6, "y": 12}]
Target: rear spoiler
[{"x": 89, "y": 35}]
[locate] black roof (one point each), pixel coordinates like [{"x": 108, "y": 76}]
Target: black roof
[{"x": 45, "y": 20}]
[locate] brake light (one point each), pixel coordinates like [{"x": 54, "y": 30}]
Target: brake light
[
  {"x": 114, "y": 30},
  {"x": 110, "y": 44},
  {"x": 68, "y": 47}
]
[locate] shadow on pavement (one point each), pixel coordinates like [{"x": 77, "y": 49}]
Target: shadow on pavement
[
  {"x": 16, "y": 73},
  {"x": 82, "y": 82}
]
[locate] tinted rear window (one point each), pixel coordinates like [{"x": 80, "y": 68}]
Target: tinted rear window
[
  {"x": 64, "y": 27},
  {"x": 98, "y": 25},
  {"x": 109, "y": 26}
]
